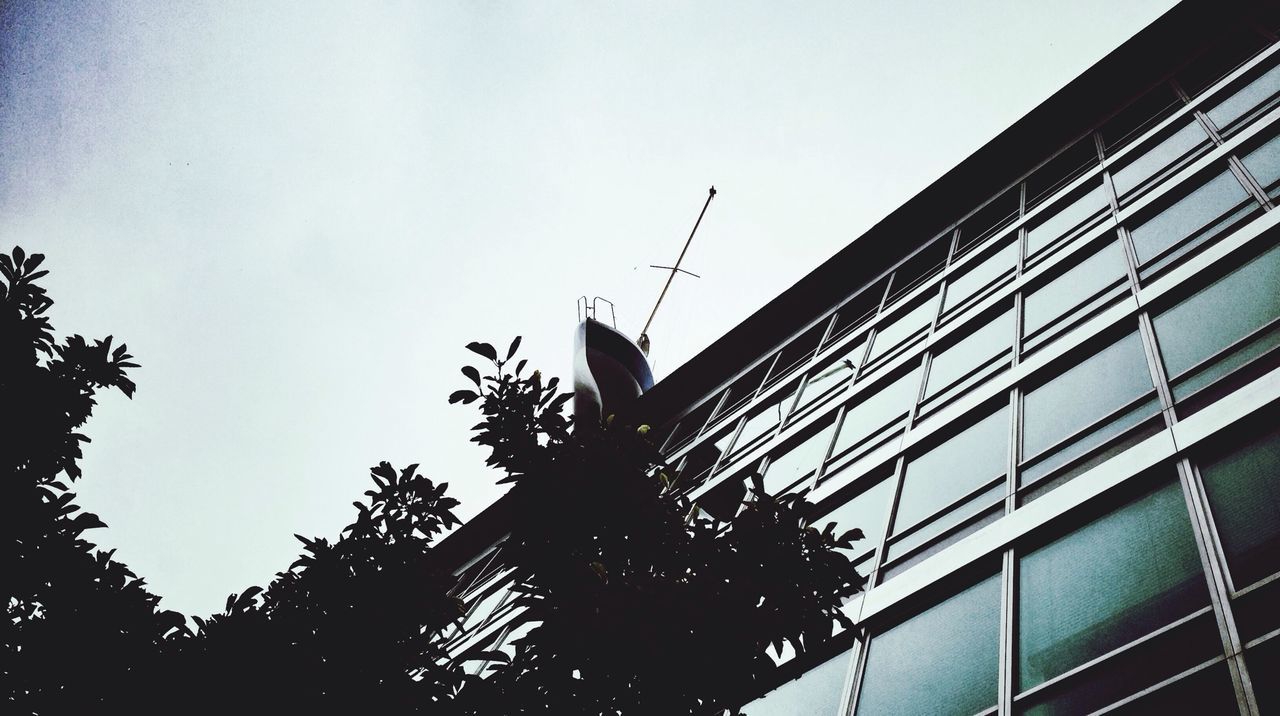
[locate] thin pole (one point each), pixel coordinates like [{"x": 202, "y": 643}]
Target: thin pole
[{"x": 643, "y": 332}]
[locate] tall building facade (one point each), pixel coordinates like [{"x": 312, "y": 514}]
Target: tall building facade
[{"x": 1046, "y": 389}]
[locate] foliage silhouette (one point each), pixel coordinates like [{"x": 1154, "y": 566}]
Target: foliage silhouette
[{"x": 641, "y": 604}]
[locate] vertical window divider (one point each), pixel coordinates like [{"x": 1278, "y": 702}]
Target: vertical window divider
[
  {"x": 851, "y": 671},
  {"x": 1130, "y": 260},
  {"x": 859, "y": 668},
  {"x": 899, "y": 470},
  {"x": 1007, "y": 676},
  {"x": 1151, "y": 348},
  {"x": 1251, "y": 185},
  {"x": 1212, "y": 561}
]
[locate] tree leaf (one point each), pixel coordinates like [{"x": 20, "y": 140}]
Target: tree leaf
[
  {"x": 514, "y": 346},
  {"x": 466, "y": 397},
  {"x": 472, "y": 373},
  {"x": 483, "y": 349}
]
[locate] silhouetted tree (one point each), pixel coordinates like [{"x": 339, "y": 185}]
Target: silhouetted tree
[{"x": 642, "y": 606}]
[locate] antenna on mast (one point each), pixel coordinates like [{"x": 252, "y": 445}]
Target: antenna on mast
[{"x": 644, "y": 332}]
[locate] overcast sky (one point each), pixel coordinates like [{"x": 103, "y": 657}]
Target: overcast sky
[{"x": 297, "y": 214}]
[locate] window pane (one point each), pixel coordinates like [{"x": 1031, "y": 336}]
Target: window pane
[
  {"x": 1264, "y": 164},
  {"x": 1059, "y": 171},
  {"x": 989, "y": 219},
  {"x": 953, "y": 469},
  {"x": 969, "y": 352},
  {"x": 871, "y": 413},
  {"x": 860, "y": 308},
  {"x": 1244, "y": 493},
  {"x": 1263, "y": 661},
  {"x": 1110, "y": 582},
  {"x": 817, "y": 692},
  {"x": 906, "y": 325},
  {"x": 706, "y": 454},
  {"x": 1075, "y": 286},
  {"x": 798, "y": 462},
  {"x": 1246, "y": 98},
  {"x": 798, "y": 351},
  {"x": 920, "y": 267},
  {"x": 838, "y": 372},
  {"x": 942, "y": 661},
  {"x": 980, "y": 275},
  {"x": 1145, "y": 112},
  {"x": 1208, "y": 691},
  {"x": 1219, "y": 315},
  {"x": 1196, "y": 212},
  {"x": 867, "y": 511},
  {"x": 1067, "y": 219},
  {"x": 765, "y": 421},
  {"x": 1085, "y": 393},
  {"x": 743, "y": 389},
  {"x": 1167, "y": 152}
]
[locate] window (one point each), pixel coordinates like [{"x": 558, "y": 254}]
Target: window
[
  {"x": 1085, "y": 407},
  {"x": 1191, "y": 220},
  {"x": 764, "y": 421},
  {"x": 950, "y": 484},
  {"x": 1060, "y": 170},
  {"x": 1100, "y": 588},
  {"x": 800, "y": 350},
  {"x": 1145, "y": 112},
  {"x": 989, "y": 219},
  {"x": 1250, "y": 100},
  {"x": 742, "y": 390},
  {"x": 798, "y": 462},
  {"x": 1243, "y": 485},
  {"x": 1069, "y": 218},
  {"x": 942, "y": 661},
  {"x": 919, "y": 268},
  {"x": 1169, "y": 154},
  {"x": 1219, "y": 60},
  {"x": 690, "y": 425},
  {"x": 1223, "y": 327},
  {"x": 865, "y": 508},
  {"x": 971, "y": 353},
  {"x": 984, "y": 274},
  {"x": 1264, "y": 164},
  {"x": 825, "y": 380},
  {"x": 817, "y": 692},
  {"x": 860, "y": 308},
  {"x": 875, "y": 413},
  {"x": 1091, "y": 283},
  {"x": 705, "y": 456},
  {"x": 909, "y": 324}
]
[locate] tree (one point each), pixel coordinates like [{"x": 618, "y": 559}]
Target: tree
[{"x": 642, "y": 604}]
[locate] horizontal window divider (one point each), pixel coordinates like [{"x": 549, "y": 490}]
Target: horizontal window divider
[
  {"x": 1171, "y": 254},
  {"x": 1112, "y": 708},
  {"x": 1004, "y": 355},
  {"x": 866, "y": 445},
  {"x": 1261, "y": 639},
  {"x": 1096, "y": 661},
  {"x": 1261, "y": 583},
  {"x": 1091, "y": 427}
]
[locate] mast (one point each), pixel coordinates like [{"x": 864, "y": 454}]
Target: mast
[{"x": 644, "y": 332}]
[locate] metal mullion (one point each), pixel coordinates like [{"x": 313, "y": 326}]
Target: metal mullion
[
  {"x": 899, "y": 471},
  {"x": 859, "y": 669},
  {"x": 1251, "y": 185},
  {"x": 945, "y": 509},
  {"x": 1213, "y": 561},
  {"x": 851, "y": 673},
  {"x": 1015, "y": 450},
  {"x": 1007, "y": 675},
  {"x": 1155, "y": 365},
  {"x": 1067, "y": 440}
]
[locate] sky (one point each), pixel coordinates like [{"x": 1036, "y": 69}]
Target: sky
[{"x": 297, "y": 214}]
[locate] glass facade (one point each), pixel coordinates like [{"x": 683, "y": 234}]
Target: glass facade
[{"x": 1054, "y": 423}]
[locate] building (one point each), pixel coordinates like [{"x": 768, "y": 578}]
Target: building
[{"x": 1047, "y": 389}]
